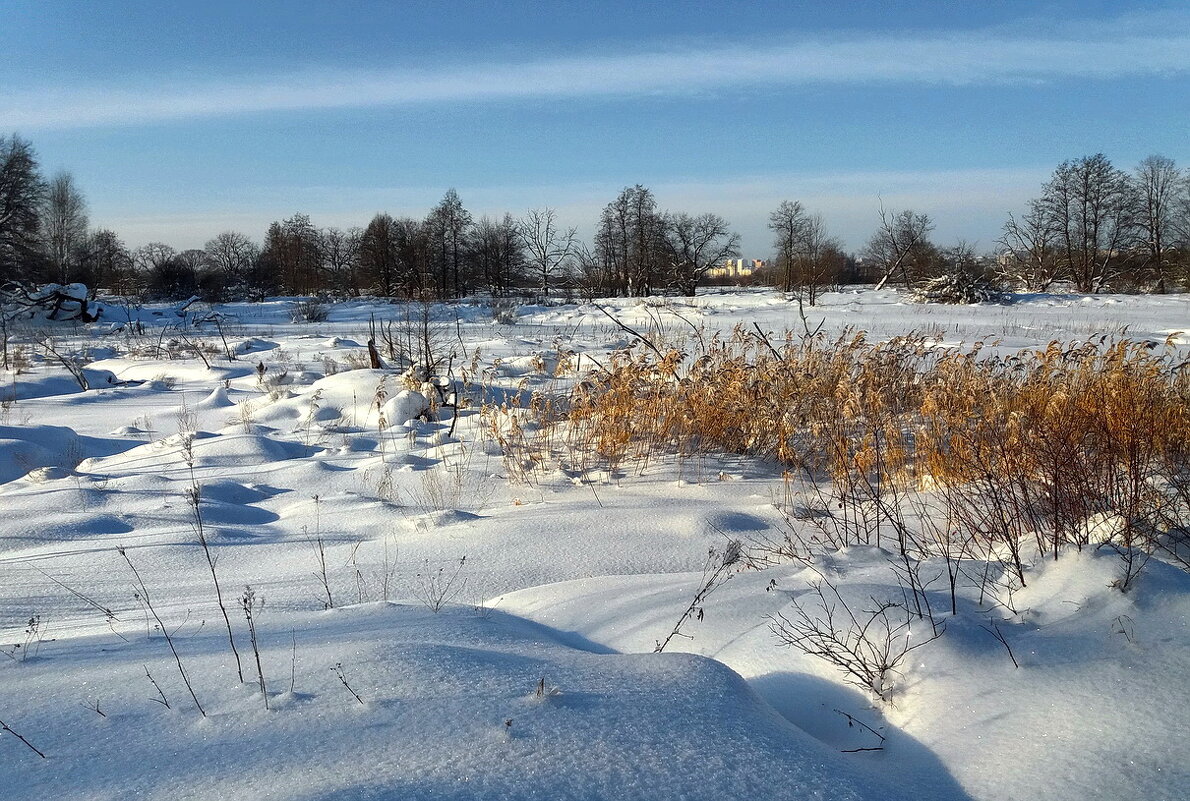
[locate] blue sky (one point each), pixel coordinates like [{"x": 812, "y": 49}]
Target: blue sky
[{"x": 180, "y": 120}]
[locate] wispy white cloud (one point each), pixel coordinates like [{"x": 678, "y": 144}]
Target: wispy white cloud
[{"x": 1131, "y": 45}]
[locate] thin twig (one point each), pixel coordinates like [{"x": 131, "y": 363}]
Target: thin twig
[
  {"x": 161, "y": 699},
  {"x": 144, "y": 594},
  {"x": 854, "y": 721},
  {"x": 765, "y": 340},
  {"x": 994, "y": 630},
  {"x": 5, "y": 727},
  {"x": 338, "y": 670},
  {"x": 634, "y": 333},
  {"x": 89, "y": 601}
]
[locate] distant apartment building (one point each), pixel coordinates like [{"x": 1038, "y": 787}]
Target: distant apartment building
[{"x": 735, "y": 269}]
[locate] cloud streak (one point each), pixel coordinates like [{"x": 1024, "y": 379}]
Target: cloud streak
[{"x": 1109, "y": 49}]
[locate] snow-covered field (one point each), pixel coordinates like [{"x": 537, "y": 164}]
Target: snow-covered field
[{"x": 429, "y": 628}]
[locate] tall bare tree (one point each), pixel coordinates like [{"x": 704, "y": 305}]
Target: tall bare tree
[
  {"x": 498, "y": 253},
  {"x": 292, "y": 253},
  {"x": 819, "y": 262},
  {"x": 22, "y": 191},
  {"x": 233, "y": 256},
  {"x": 1157, "y": 183},
  {"x": 449, "y": 225},
  {"x": 900, "y": 245},
  {"x": 696, "y": 245},
  {"x": 64, "y": 225},
  {"x": 788, "y": 224},
  {"x": 107, "y": 264},
  {"x": 630, "y": 243},
  {"x": 166, "y": 274},
  {"x": 1091, "y": 206},
  {"x": 550, "y": 247},
  {"x": 341, "y": 258},
  {"x": 1029, "y": 255},
  {"x": 378, "y": 256}
]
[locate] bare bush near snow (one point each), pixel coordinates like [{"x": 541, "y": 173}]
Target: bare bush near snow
[
  {"x": 251, "y": 606},
  {"x": 310, "y": 311},
  {"x": 437, "y": 587},
  {"x": 1077, "y": 444},
  {"x": 72, "y": 362},
  {"x": 717, "y": 571},
  {"x": 868, "y": 645}
]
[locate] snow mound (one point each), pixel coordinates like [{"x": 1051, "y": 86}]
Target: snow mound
[
  {"x": 254, "y": 345},
  {"x": 450, "y": 709},
  {"x": 341, "y": 342},
  {"x": 173, "y": 371},
  {"x": 53, "y": 381},
  {"x": 216, "y": 400},
  {"x": 27, "y": 448},
  {"x": 407, "y": 405},
  {"x": 229, "y": 450},
  {"x": 349, "y": 396}
]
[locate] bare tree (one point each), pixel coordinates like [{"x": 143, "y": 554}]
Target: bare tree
[
  {"x": 788, "y": 224},
  {"x": 233, "y": 256},
  {"x": 899, "y": 244},
  {"x": 106, "y": 263},
  {"x": 198, "y": 275},
  {"x": 449, "y": 225},
  {"x": 696, "y": 245},
  {"x": 1029, "y": 256},
  {"x": 630, "y": 245},
  {"x": 163, "y": 273},
  {"x": 64, "y": 224},
  {"x": 498, "y": 253},
  {"x": 152, "y": 256},
  {"x": 1157, "y": 181},
  {"x": 550, "y": 247},
  {"x": 590, "y": 270},
  {"x": 21, "y": 193},
  {"x": 1090, "y": 205},
  {"x": 378, "y": 256},
  {"x": 819, "y": 261},
  {"x": 341, "y": 258},
  {"x": 293, "y": 254}
]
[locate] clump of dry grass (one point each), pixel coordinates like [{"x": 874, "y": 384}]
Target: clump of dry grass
[{"x": 1073, "y": 444}]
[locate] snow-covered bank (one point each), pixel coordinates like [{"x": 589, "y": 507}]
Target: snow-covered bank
[
  {"x": 452, "y": 707},
  {"x": 327, "y": 484}
]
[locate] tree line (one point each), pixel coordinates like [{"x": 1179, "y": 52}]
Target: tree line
[{"x": 1093, "y": 226}]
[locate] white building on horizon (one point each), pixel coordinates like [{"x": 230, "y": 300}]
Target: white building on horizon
[{"x": 736, "y": 268}]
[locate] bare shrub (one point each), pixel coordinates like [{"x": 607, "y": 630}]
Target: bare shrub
[
  {"x": 251, "y": 606},
  {"x": 30, "y": 644},
  {"x": 342, "y": 677},
  {"x": 867, "y": 645},
  {"x": 436, "y": 587},
  {"x": 73, "y": 363},
  {"x": 1079, "y": 444},
  {"x": 716, "y": 572},
  {"x": 311, "y": 311},
  {"x": 318, "y": 545},
  {"x": 960, "y": 287},
  {"x": 143, "y": 597},
  {"x": 356, "y": 360}
]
